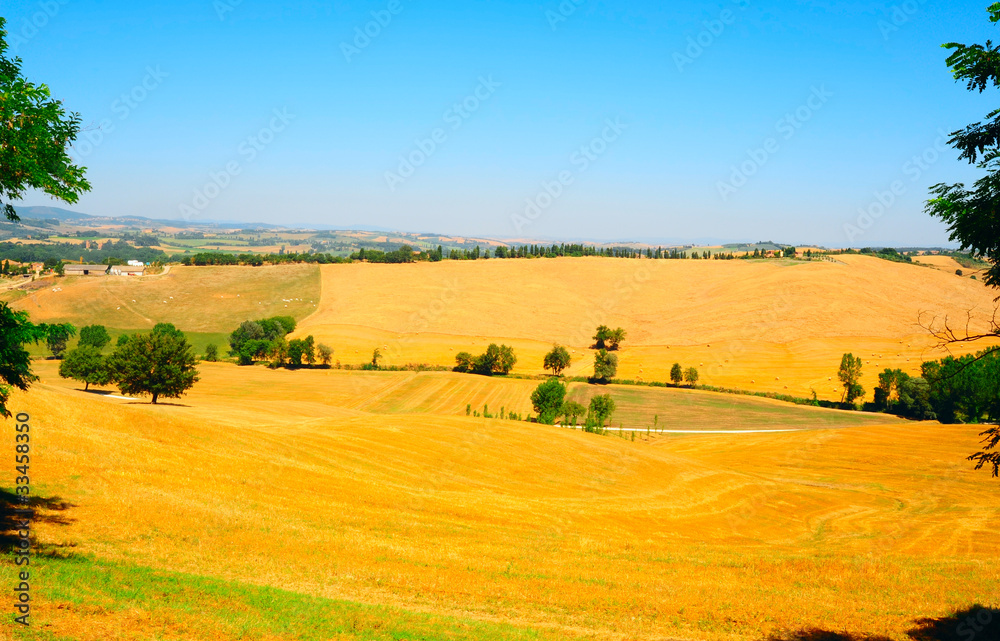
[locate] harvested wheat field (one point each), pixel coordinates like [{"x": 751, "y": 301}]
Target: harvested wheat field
[
  {"x": 766, "y": 325},
  {"x": 354, "y": 505}
]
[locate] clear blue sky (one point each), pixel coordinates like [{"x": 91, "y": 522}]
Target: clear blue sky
[{"x": 867, "y": 81}]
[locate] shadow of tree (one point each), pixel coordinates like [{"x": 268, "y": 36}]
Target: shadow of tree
[
  {"x": 974, "y": 623},
  {"x": 39, "y": 510}
]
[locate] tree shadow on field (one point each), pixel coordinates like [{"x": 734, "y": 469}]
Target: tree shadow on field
[
  {"x": 974, "y": 623},
  {"x": 35, "y": 509}
]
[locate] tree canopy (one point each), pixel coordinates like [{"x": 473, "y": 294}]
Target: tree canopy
[
  {"x": 35, "y": 135},
  {"x": 95, "y": 335},
  {"x": 160, "y": 363},
  {"x": 547, "y": 400},
  {"x": 557, "y": 360},
  {"x": 85, "y": 364},
  {"x": 15, "y": 362},
  {"x": 972, "y": 214},
  {"x": 605, "y": 366}
]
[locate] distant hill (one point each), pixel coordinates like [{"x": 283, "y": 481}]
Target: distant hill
[{"x": 62, "y": 215}]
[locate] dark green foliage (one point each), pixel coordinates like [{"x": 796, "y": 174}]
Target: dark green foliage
[
  {"x": 915, "y": 399},
  {"x": 402, "y": 255},
  {"x": 464, "y": 362},
  {"x": 557, "y": 360},
  {"x": 211, "y": 353},
  {"x": 990, "y": 456},
  {"x": 571, "y": 411},
  {"x": 35, "y": 135},
  {"x": 15, "y": 362},
  {"x": 498, "y": 359},
  {"x": 607, "y": 338},
  {"x": 85, "y": 364},
  {"x": 57, "y": 336},
  {"x": 95, "y": 335},
  {"x": 325, "y": 353},
  {"x": 887, "y": 392},
  {"x": 965, "y": 389},
  {"x": 256, "y": 340},
  {"x": 691, "y": 376},
  {"x": 296, "y": 350},
  {"x": 850, "y": 375},
  {"x": 601, "y": 409},
  {"x": 601, "y": 337},
  {"x": 615, "y": 338},
  {"x": 971, "y": 215},
  {"x": 547, "y": 400},
  {"x": 676, "y": 374},
  {"x": 605, "y": 366},
  {"x": 160, "y": 363}
]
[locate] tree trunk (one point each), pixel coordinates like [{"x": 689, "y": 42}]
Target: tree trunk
[
  {"x": 86, "y": 385},
  {"x": 154, "y": 397}
]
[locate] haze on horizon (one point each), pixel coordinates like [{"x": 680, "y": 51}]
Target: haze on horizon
[{"x": 581, "y": 119}]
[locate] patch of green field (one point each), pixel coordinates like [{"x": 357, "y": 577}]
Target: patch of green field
[
  {"x": 87, "y": 592},
  {"x": 679, "y": 409},
  {"x": 198, "y": 340}
]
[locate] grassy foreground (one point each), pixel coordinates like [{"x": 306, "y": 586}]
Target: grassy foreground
[{"x": 87, "y": 599}]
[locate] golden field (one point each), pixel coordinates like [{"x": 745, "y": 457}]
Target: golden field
[
  {"x": 376, "y": 488},
  {"x": 766, "y": 325},
  {"x": 360, "y": 488}
]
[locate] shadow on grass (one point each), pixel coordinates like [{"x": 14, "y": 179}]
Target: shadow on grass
[
  {"x": 36, "y": 509},
  {"x": 974, "y": 623}
]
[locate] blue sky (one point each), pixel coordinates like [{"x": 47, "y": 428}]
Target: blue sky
[{"x": 736, "y": 120}]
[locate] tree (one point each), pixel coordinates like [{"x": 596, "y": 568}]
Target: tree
[
  {"x": 35, "y": 135},
  {"x": 86, "y": 364},
  {"x": 498, "y": 359},
  {"x": 464, "y": 362},
  {"x": 296, "y": 350},
  {"x": 246, "y": 332},
  {"x": 557, "y": 360},
  {"x": 506, "y": 360},
  {"x": 547, "y": 400},
  {"x": 211, "y": 353},
  {"x": 15, "y": 362},
  {"x": 676, "y": 374},
  {"x": 887, "y": 392},
  {"x": 605, "y": 366},
  {"x": 57, "y": 336},
  {"x": 601, "y": 408},
  {"x": 615, "y": 338},
  {"x": 325, "y": 354},
  {"x": 160, "y": 363},
  {"x": 971, "y": 215},
  {"x": 95, "y": 335},
  {"x": 309, "y": 349},
  {"x": 571, "y": 411},
  {"x": 376, "y": 356},
  {"x": 990, "y": 456},
  {"x": 915, "y": 399},
  {"x": 850, "y": 375},
  {"x": 691, "y": 376},
  {"x": 601, "y": 337}
]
